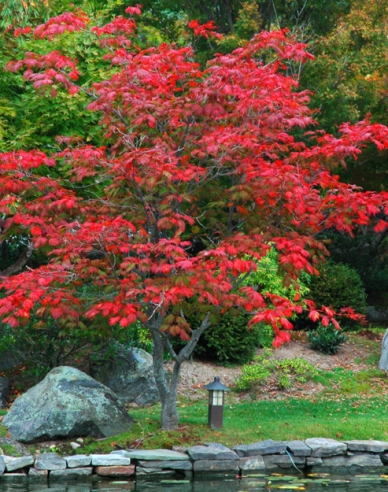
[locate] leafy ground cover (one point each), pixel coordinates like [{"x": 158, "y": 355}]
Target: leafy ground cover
[{"x": 345, "y": 400}]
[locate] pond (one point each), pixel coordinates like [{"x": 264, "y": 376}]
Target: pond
[{"x": 258, "y": 483}]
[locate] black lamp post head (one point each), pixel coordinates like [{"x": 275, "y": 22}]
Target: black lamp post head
[{"x": 216, "y": 385}]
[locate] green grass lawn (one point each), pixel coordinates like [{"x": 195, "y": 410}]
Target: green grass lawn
[{"x": 246, "y": 422}]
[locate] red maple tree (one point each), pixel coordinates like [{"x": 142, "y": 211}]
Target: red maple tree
[{"x": 201, "y": 174}]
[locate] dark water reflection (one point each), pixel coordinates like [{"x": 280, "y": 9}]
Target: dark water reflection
[{"x": 257, "y": 484}]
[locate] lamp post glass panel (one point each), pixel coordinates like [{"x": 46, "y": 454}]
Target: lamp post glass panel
[{"x": 216, "y": 403}]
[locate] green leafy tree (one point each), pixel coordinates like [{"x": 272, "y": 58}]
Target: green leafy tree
[{"x": 348, "y": 76}]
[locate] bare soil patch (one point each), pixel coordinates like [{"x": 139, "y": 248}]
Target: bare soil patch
[{"x": 353, "y": 355}]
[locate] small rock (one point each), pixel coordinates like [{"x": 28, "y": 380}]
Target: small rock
[
  {"x": 75, "y": 445},
  {"x": 14, "y": 478},
  {"x": 109, "y": 460},
  {"x": 121, "y": 452},
  {"x": 115, "y": 471},
  {"x": 12, "y": 464},
  {"x": 275, "y": 461},
  {"x": 255, "y": 463},
  {"x": 37, "y": 475},
  {"x": 80, "y": 440},
  {"x": 324, "y": 448},
  {"x": 370, "y": 446},
  {"x": 298, "y": 448},
  {"x": 210, "y": 452},
  {"x": 78, "y": 461},
  {"x": 260, "y": 448},
  {"x": 166, "y": 465},
  {"x": 214, "y": 466},
  {"x": 72, "y": 473},
  {"x": 50, "y": 461},
  {"x": 158, "y": 455}
]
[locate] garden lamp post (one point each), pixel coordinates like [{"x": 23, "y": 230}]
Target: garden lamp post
[{"x": 216, "y": 403}]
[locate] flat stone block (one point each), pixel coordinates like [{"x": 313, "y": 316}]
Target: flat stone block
[
  {"x": 252, "y": 464},
  {"x": 14, "y": 478},
  {"x": 313, "y": 461},
  {"x": 70, "y": 473},
  {"x": 2, "y": 464},
  {"x": 211, "y": 452},
  {"x": 115, "y": 471},
  {"x": 260, "y": 448},
  {"x": 369, "y": 446},
  {"x": 35, "y": 475},
  {"x": 351, "y": 464},
  {"x": 109, "y": 460},
  {"x": 298, "y": 448},
  {"x": 12, "y": 463},
  {"x": 166, "y": 465},
  {"x": 215, "y": 466},
  {"x": 283, "y": 461},
  {"x": 78, "y": 461},
  {"x": 121, "y": 452},
  {"x": 50, "y": 461},
  {"x": 153, "y": 472},
  {"x": 158, "y": 455},
  {"x": 325, "y": 448}
]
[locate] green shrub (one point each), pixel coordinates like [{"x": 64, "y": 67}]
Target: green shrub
[
  {"x": 230, "y": 341},
  {"x": 268, "y": 278},
  {"x": 285, "y": 371},
  {"x": 326, "y": 339},
  {"x": 338, "y": 286},
  {"x": 366, "y": 253}
]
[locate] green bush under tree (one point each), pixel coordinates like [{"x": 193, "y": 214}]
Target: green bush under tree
[
  {"x": 230, "y": 340},
  {"x": 338, "y": 286},
  {"x": 326, "y": 339}
]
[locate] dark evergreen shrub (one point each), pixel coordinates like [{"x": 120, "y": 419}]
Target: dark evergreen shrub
[
  {"x": 326, "y": 339},
  {"x": 338, "y": 286},
  {"x": 230, "y": 341}
]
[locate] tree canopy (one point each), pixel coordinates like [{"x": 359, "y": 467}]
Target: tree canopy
[{"x": 201, "y": 173}]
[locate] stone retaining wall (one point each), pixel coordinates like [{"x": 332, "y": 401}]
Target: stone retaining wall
[{"x": 313, "y": 455}]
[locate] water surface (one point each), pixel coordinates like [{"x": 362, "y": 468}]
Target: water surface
[{"x": 259, "y": 483}]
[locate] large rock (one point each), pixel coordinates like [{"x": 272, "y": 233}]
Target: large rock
[
  {"x": 129, "y": 373},
  {"x": 67, "y": 403}
]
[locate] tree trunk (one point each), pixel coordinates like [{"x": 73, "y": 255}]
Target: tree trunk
[
  {"x": 167, "y": 384},
  {"x": 167, "y": 387},
  {"x": 19, "y": 263},
  {"x": 383, "y": 364}
]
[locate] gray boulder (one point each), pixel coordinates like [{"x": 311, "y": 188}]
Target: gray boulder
[
  {"x": 383, "y": 363},
  {"x": 129, "y": 373},
  {"x": 67, "y": 403}
]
